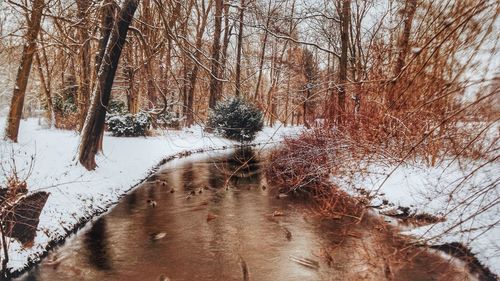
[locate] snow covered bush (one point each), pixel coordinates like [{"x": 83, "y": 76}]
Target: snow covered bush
[
  {"x": 129, "y": 125},
  {"x": 236, "y": 119},
  {"x": 168, "y": 120},
  {"x": 117, "y": 107}
]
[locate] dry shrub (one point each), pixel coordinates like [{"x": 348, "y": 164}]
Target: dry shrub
[
  {"x": 304, "y": 165},
  {"x": 336, "y": 203},
  {"x": 67, "y": 121},
  {"x": 301, "y": 164}
]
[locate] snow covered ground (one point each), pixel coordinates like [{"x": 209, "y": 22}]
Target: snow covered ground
[
  {"x": 77, "y": 194},
  {"x": 470, "y": 202}
]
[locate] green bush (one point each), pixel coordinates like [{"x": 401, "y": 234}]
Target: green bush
[
  {"x": 236, "y": 119},
  {"x": 129, "y": 125},
  {"x": 65, "y": 100},
  {"x": 65, "y": 104},
  {"x": 168, "y": 120},
  {"x": 117, "y": 107}
]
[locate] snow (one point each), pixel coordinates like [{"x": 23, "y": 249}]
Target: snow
[
  {"x": 77, "y": 194},
  {"x": 448, "y": 189}
]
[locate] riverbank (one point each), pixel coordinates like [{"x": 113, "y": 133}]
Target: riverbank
[
  {"x": 451, "y": 202},
  {"x": 77, "y": 195}
]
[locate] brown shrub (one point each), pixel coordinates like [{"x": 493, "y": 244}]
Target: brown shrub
[
  {"x": 301, "y": 164},
  {"x": 304, "y": 165},
  {"x": 67, "y": 121}
]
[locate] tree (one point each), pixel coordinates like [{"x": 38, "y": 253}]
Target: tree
[
  {"x": 345, "y": 18},
  {"x": 93, "y": 129},
  {"x": 23, "y": 73},
  {"x": 263, "y": 52},
  {"x": 202, "y": 23},
  {"x": 310, "y": 71},
  {"x": 107, "y": 20},
  {"x": 84, "y": 58},
  {"x": 238, "y": 49},
  {"x": 215, "y": 85},
  {"x": 403, "y": 49}
]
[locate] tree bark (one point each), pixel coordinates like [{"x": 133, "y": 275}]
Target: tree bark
[
  {"x": 262, "y": 53},
  {"x": 403, "y": 49},
  {"x": 45, "y": 89},
  {"x": 94, "y": 124},
  {"x": 84, "y": 59},
  {"x": 227, "y": 36},
  {"x": 194, "y": 71},
  {"x": 344, "y": 45},
  {"x": 23, "y": 72},
  {"x": 129, "y": 73},
  {"x": 107, "y": 20},
  {"x": 215, "y": 84},
  {"x": 147, "y": 19},
  {"x": 238, "y": 51}
]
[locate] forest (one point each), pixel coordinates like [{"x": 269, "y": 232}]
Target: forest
[{"x": 385, "y": 106}]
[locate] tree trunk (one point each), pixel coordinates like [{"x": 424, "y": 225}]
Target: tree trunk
[
  {"x": 107, "y": 20},
  {"x": 403, "y": 49},
  {"x": 147, "y": 19},
  {"x": 194, "y": 71},
  {"x": 94, "y": 124},
  {"x": 132, "y": 93},
  {"x": 227, "y": 36},
  {"x": 238, "y": 51},
  {"x": 344, "y": 45},
  {"x": 46, "y": 90},
  {"x": 84, "y": 59},
  {"x": 215, "y": 84},
  {"x": 23, "y": 72},
  {"x": 262, "y": 53}
]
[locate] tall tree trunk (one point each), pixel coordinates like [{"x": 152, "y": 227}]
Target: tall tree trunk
[
  {"x": 107, "y": 20},
  {"x": 215, "y": 84},
  {"x": 403, "y": 49},
  {"x": 94, "y": 124},
  {"x": 23, "y": 72},
  {"x": 227, "y": 36},
  {"x": 129, "y": 73},
  {"x": 147, "y": 19},
  {"x": 344, "y": 45},
  {"x": 358, "y": 70},
  {"x": 262, "y": 53},
  {"x": 238, "y": 51},
  {"x": 197, "y": 59},
  {"x": 84, "y": 59},
  {"x": 46, "y": 89}
]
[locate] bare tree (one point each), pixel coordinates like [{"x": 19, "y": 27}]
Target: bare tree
[
  {"x": 403, "y": 48},
  {"x": 345, "y": 17},
  {"x": 84, "y": 59},
  {"x": 215, "y": 84},
  {"x": 23, "y": 73},
  {"x": 93, "y": 129},
  {"x": 238, "y": 48}
]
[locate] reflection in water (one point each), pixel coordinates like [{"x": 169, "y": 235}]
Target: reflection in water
[
  {"x": 216, "y": 179},
  {"x": 223, "y": 232},
  {"x": 97, "y": 245},
  {"x": 188, "y": 177},
  {"x": 131, "y": 201}
]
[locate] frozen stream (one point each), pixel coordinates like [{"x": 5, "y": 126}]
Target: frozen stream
[{"x": 216, "y": 220}]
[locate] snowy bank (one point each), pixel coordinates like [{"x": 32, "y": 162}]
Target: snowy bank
[
  {"x": 467, "y": 197},
  {"x": 76, "y": 195}
]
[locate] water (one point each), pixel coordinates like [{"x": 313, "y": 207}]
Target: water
[{"x": 235, "y": 229}]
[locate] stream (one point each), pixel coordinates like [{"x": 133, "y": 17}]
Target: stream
[{"x": 213, "y": 217}]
